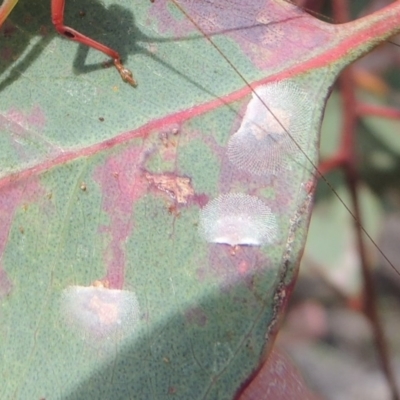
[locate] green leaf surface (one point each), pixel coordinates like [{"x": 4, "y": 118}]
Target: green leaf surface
[{"x": 150, "y": 237}]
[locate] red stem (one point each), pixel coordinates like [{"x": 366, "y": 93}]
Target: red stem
[{"x": 378, "y": 111}]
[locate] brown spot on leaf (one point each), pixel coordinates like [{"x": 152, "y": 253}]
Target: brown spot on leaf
[
  {"x": 234, "y": 250},
  {"x": 173, "y": 210},
  {"x": 171, "y": 390},
  {"x": 178, "y": 187},
  {"x": 101, "y": 283}
]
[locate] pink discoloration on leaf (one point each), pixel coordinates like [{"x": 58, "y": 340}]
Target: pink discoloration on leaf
[
  {"x": 243, "y": 268},
  {"x": 259, "y": 27},
  {"x": 23, "y": 130},
  {"x": 24, "y": 121},
  {"x": 200, "y": 200},
  {"x": 10, "y": 199},
  {"x": 227, "y": 264},
  {"x": 122, "y": 184}
]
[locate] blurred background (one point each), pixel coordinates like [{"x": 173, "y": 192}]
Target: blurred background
[{"x": 325, "y": 331}]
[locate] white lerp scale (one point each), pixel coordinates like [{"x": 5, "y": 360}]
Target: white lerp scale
[{"x": 237, "y": 219}]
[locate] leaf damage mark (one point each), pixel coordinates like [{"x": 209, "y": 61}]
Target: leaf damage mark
[{"x": 178, "y": 188}]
